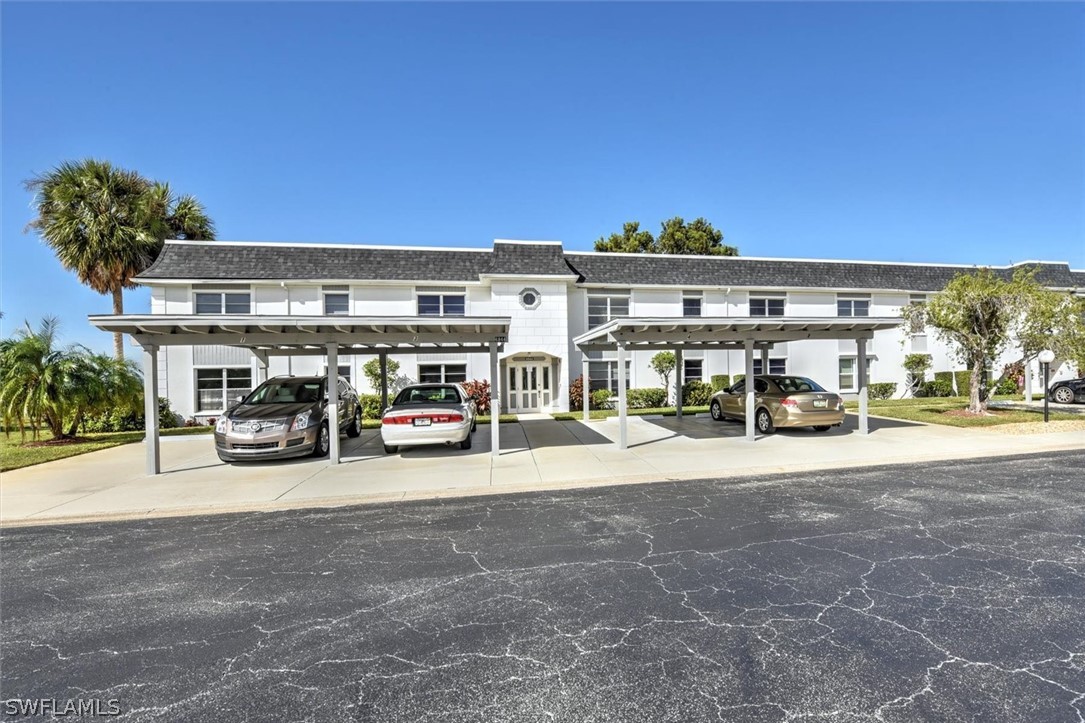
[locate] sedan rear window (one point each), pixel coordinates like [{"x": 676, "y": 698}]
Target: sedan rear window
[
  {"x": 442, "y": 394},
  {"x": 792, "y": 385}
]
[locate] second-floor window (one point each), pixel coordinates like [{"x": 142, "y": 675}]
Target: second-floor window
[
  {"x": 767, "y": 305},
  {"x": 692, "y": 303},
  {"x": 604, "y": 307},
  {"x": 776, "y": 366},
  {"x": 223, "y": 302},
  {"x": 441, "y": 303},
  {"x": 336, "y": 301},
  {"x": 692, "y": 369},
  {"x": 853, "y": 306}
]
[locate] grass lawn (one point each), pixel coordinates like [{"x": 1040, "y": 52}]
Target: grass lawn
[
  {"x": 935, "y": 410},
  {"x": 14, "y": 455}
]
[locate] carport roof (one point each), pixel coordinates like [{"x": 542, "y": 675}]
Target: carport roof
[
  {"x": 311, "y": 334},
  {"x": 726, "y": 332}
]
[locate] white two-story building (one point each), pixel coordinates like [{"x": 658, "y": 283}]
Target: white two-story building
[{"x": 551, "y": 296}]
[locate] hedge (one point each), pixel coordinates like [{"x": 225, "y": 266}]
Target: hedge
[
  {"x": 696, "y": 393},
  {"x": 720, "y": 382},
  {"x": 647, "y": 398},
  {"x": 882, "y": 390}
]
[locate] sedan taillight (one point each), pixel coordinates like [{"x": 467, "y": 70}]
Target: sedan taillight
[
  {"x": 788, "y": 402},
  {"x": 454, "y": 417}
]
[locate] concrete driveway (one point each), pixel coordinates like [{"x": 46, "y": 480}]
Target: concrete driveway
[
  {"x": 535, "y": 454},
  {"x": 939, "y": 592}
]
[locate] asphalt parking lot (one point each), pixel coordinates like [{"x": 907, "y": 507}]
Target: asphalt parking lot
[{"x": 942, "y": 591}]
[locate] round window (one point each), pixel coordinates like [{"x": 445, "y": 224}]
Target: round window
[{"x": 529, "y": 299}]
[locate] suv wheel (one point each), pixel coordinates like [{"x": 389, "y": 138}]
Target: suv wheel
[
  {"x": 323, "y": 441},
  {"x": 355, "y": 428}
]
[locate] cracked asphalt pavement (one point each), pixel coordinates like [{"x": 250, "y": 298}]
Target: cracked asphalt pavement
[{"x": 945, "y": 591}]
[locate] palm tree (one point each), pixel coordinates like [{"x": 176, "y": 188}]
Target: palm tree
[
  {"x": 43, "y": 383},
  {"x": 108, "y": 224}
]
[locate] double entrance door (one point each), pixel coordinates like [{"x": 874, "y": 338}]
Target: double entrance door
[{"x": 529, "y": 386}]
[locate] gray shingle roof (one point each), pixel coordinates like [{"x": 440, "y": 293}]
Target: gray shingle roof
[
  {"x": 219, "y": 261},
  {"x": 224, "y": 262},
  {"x": 528, "y": 259},
  {"x": 628, "y": 270}
]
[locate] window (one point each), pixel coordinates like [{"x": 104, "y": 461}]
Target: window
[
  {"x": 776, "y": 366},
  {"x": 849, "y": 379},
  {"x": 530, "y": 298},
  {"x": 217, "y": 389},
  {"x": 604, "y": 375},
  {"x": 691, "y": 303},
  {"x": 692, "y": 369},
  {"x": 220, "y": 302},
  {"x": 442, "y": 373},
  {"x": 767, "y": 305},
  {"x": 853, "y": 306},
  {"x": 603, "y": 308},
  {"x": 759, "y": 385},
  {"x": 344, "y": 370},
  {"x": 336, "y": 300},
  {"x": 432, "y": 303},
  {"x": 915, "y": 328}
]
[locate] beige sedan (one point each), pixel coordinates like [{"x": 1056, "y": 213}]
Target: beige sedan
[{"x": 781, "y": 401}]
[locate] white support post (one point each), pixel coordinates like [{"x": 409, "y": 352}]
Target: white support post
[
  {"x": 623, "y": 438},
  {"x": 261, "y": 365},
  {"x": 678, "y": 383},
  {"x": 751, "y": 431},
  {"x": 585, "y": 390},
  {"x": 150, "y": 409},
  {"x": 495, "y": 402},
  {"x": 333, "y": 402},
  {"x": 764, "y": 360},
  {"x": 864, "y": 424},
  {"x": 1028, "y": 381},
  {"x": 383, "y": 357}
]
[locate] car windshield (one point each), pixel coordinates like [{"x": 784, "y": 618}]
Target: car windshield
[
  {"x": 287, "y": 391},
  {"x": 443, "y": 394},
  {"x": 792, "y": 385}
]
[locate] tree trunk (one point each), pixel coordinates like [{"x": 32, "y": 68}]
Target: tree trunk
[
  {"x": 976, "y": 405},
  {"x": 118, "y": 338}
]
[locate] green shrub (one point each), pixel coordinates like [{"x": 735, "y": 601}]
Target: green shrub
[
  {"x": 935, "y": 388},
  {"x": 882, "y": 390},
  {"x": 917, "y": 364},
  {"x": 600, "y": 399},
  {"x": 696, "y": 393},
  {"x": 371, "y": 406},
  {"x": 737, "y": 378},
  {"x": 964, "y": 381},
  {"x": 946, "y": 377},
  {"x": 720, "y": 382},
  {"x": 128, "y": 420},
  {"x": 1007, "y": 386},
  {"x": 648, "y": 398}
]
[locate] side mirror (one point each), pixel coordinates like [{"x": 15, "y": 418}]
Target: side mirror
[{"x": 240, "y": 398}]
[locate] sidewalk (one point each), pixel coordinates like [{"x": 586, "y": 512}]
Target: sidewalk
[{"x": 536, "y": 455}]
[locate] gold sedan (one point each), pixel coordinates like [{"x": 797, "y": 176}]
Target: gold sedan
[{"x": 781, "y": 401}]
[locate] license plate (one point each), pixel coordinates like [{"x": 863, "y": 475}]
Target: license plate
[
  {"x": 820, "y": 404},
  {"x": 423, "y": 422}
]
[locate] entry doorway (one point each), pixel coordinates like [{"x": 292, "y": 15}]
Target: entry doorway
[{"x": 530, "y": 385}]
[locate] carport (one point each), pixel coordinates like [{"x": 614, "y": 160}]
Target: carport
[
  {"x": 731, "y": 333},
  {"x": 333, "y": 336}
]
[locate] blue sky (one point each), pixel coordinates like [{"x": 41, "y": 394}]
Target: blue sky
[{"x": 908, "y": 132}]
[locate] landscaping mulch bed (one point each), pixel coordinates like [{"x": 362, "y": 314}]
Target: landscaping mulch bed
[{"x": 63, "y": 441}]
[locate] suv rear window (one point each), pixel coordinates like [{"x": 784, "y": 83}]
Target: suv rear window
[
  {"x": 287, "y": 391},
  {"x": 443, "y": 394}
]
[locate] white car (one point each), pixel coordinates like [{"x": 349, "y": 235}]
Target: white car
[{"x": 428, "y": 414}]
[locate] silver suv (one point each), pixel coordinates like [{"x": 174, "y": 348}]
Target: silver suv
[{"x": 286, "y": 417}]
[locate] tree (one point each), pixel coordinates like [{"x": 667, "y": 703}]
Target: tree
[
  {"x": 675, "y": 237},
  {"x": 372, "y": 371},
  {"x": 664, "y": 364},
  {"x": 42, "y": 383},
  {"x": 980, "y": 313},
  {"x": 108, "y": 224}
]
